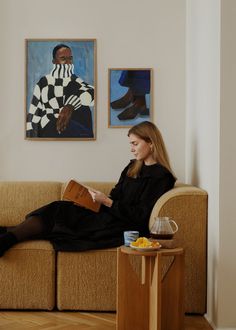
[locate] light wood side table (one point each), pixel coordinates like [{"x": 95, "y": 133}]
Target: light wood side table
[{"x": 152, "y": 300}]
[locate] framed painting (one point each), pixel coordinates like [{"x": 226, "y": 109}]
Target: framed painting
[
  {"x": 129, "y": 96},
  {"x": 60, "y": 89}
]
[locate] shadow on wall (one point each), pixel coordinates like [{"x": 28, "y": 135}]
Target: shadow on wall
[{"x": 194, "y": 168}]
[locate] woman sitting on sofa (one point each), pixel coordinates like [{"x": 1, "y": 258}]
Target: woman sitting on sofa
[{"x": 70, "y": 227}]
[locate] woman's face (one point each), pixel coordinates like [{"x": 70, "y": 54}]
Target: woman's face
[{"x": 141, "y": 149}]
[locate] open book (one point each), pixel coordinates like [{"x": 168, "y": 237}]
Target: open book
[{"x": 79, "y": 194}]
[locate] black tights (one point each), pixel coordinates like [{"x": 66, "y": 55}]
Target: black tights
[{"x": 31, "y": 227}]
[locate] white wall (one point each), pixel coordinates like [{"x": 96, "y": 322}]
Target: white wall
[
  {"x": 227, "y": 246},
  {"x": 202, "y": 129},
  {"x": 129, "y": 33},
  {"x": 210, "y": 136}
]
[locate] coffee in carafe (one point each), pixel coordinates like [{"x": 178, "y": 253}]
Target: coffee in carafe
[{"x": 163, "y": 228}]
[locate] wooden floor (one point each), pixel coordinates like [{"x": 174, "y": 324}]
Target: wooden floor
[{"x": 23, "y": 320}]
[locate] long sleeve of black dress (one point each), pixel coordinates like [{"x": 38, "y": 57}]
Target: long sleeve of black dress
[{"x": 134, "y": 198}]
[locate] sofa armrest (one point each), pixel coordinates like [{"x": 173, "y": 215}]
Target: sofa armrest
[
  {"x": 186, "y": 196},
  {"x": 187, "y": 205}
]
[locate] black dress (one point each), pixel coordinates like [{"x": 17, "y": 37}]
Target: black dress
[{"x": 73, "y": 228}]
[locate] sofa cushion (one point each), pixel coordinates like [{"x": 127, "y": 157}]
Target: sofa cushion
[
  {"x": 27, "y": 278},
  {"x": 87, "y": 280}
]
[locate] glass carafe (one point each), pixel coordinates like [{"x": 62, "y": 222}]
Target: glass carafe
[{"x": 163, "y": 228}]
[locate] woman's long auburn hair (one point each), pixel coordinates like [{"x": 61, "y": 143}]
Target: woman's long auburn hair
[{"x": 148, "y": 132}]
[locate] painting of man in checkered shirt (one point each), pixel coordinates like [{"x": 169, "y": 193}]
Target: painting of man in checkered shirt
[{"x": 62, "y": 105}]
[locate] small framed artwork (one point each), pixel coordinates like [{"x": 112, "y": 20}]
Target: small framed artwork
[
  {"x": 60, "y": 98},
  {"x": 129, "y": 97}
]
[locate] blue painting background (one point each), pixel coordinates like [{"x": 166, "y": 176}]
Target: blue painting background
[
  {"x": 39, "y": 61},
  {"x": 116, "y": 92}
]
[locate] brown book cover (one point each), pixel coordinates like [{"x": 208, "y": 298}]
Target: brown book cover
[{"x": 79, "y": 194}]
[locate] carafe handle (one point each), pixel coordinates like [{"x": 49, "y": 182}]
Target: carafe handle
[{"x": 175, "y": 225}]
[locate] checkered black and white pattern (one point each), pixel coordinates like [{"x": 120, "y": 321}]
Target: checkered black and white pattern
[{"x": 54, "y": 91}]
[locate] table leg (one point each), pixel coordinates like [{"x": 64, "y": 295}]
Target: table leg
[
  {"x": 132, "y": 296},
  {"x": 172, "y": 295},
  {"x": 154, "y": 292}
]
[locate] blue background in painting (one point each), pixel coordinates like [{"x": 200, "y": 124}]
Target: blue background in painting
[
  {"x": 116, "y": 92},
  {"x": 39, "y": 61}
]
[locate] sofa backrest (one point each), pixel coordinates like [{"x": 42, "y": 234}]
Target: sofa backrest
[{"x": 19, "y": 198}]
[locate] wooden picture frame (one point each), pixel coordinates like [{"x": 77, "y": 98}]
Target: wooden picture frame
[
  {"x": 60, "y": 89},
  {"x": 129, "y": 96}
]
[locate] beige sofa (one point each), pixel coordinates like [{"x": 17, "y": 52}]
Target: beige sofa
[{"x": 33, "y": 276}]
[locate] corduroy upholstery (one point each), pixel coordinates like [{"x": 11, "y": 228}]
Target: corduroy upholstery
[{"x": 87, "y": 280}]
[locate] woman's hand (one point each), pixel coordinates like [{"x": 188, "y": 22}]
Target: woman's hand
[{"x": 100, "y": 197}]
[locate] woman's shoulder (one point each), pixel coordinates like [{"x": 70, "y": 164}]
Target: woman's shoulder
[{"x": 157, "y": 171}]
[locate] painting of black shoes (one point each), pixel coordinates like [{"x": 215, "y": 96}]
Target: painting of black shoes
[{"x": 129, "y": 96}]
